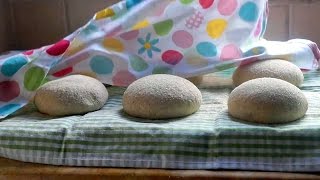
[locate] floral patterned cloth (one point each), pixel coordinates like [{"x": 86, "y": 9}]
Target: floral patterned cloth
[{"x": 136, "y": 38}]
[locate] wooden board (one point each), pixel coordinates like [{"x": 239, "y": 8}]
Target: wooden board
[{"x": 10, "y": 169}]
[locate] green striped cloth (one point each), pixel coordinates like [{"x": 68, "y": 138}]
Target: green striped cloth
[{"x": 209, "y": 139}]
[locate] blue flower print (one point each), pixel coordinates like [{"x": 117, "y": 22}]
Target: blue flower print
[{"x": 148, "y": 45}]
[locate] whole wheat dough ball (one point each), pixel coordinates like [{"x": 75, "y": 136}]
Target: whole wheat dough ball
[
  {"x": 196, "y": 80},
  {"x": 274, "y": 68},
  {"x": 267, "y": 100},
  {"x": 161, "y": 96},
  {"x": 76, "y": 94}
]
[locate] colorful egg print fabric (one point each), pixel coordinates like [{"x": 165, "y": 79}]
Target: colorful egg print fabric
[{"x": 136, "y": 38}]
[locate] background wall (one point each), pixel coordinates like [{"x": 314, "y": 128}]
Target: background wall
[
  {"x": 294, "y": 19},
  {"x": 26, "y": 24},
  {"x": 3, "y": 26}
]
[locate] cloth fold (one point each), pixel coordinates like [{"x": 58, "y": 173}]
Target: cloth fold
[{"x": 136, "y": 38}]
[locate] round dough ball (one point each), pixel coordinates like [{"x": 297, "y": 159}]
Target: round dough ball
[
  {"x": 161, "y": 96},
  {"x": 196, "y": 80},
  {"x": 76, "y": 94},
  {"x": 273, "y": 68},
  {"x": 267, "y": 100}
]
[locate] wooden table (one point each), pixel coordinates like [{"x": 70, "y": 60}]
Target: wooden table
[{"x": 10, "y": 169}]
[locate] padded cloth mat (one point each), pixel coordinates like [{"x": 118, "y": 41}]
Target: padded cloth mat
[{"x": 209, "y": 139}]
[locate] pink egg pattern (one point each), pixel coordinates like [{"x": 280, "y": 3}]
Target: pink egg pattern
[
  {"x": 59, "y": 48},
  {"x": 182, "y": 39},
  {"x": 227, "y": 7},
  {"x": 229, "y": 52},
  {"x": 130, "y": 35},
  {"x": 206, "y": 3},
  {"x": 172, "y": 57}
]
